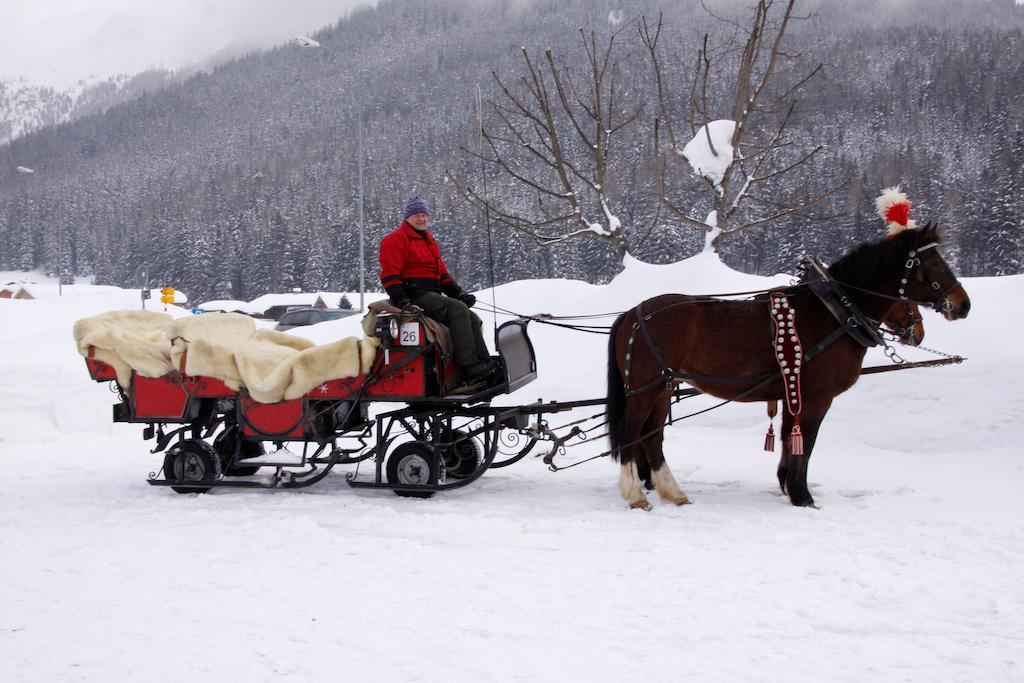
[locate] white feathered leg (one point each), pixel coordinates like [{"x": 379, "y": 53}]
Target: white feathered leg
[
  {"x": 629, "y": 487},
  {"x": 667, "y": 486}
]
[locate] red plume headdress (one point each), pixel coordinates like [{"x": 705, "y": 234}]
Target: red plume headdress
[{"x": 894, "y": 208}]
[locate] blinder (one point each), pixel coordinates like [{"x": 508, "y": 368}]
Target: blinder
[{"x": 943, "y": 305}]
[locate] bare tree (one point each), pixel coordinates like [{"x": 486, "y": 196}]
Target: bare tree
[
  {"x": 757, "y": 82},
  {"x": 555, "y": 132}
]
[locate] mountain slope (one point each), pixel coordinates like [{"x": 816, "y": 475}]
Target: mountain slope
[
  {"x": 25, "y": 108},
  {"x": 244, "y": 180}
]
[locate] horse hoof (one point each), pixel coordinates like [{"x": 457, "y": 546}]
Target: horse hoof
[
  {"x": 640, "y": 505},
  {"x": 677, "y": 497},
  {"x": 808, "y": 503}
]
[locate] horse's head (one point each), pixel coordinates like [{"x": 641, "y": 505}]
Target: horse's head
[
  {"x": 928, "y": 279},
  {"x": 904, "y": 320}
]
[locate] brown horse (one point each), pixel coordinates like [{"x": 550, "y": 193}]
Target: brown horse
[
  {"x": 904, "y": 320},
  {"x": 727, "y": 349}
]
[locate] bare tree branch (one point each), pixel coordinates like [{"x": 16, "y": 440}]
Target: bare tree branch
[
  {"x": 791, "y": 210},
  {"x": 761, "y": 149},
  {"x": 553, "y": 131}
]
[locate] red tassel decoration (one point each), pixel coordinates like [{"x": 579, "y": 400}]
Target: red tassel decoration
[
  {"x": 796, "y": 441},
  {"x": 769, "y": 438}
]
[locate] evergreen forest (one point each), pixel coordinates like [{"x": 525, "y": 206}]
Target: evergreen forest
[{"x": 244, "y": 179}]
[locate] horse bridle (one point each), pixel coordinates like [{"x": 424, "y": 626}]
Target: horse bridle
[
  {"x": 902, "y": 331},
  {"x": 944, "y": 305}
]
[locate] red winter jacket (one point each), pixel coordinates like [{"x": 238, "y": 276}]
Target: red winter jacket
[{"x": 410, "y": 264}]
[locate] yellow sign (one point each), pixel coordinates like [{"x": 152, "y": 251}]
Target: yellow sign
[{"x": 167, "y": 295}]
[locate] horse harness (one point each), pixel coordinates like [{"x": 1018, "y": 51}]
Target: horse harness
[
  {"x": 787, "y": 347},
  {"x": 866, "y": 330},
  {"x": 913, "y": 261}
]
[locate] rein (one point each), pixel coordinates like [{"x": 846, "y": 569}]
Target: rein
[
  {"x": 549, "y": 319},
  {"x": 913, "y": 260}
]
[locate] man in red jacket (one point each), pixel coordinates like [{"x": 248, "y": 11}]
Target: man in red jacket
[{"x": 413, "y": 273}]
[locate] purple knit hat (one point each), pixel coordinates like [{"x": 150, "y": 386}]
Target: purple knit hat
[{"x": 414, "y": 206}]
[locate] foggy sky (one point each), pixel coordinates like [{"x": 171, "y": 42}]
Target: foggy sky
[{"x": 57, "y": 42}]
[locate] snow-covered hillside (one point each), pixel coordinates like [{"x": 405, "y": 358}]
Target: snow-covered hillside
[
  {"x": 910, "y": 569},
  {"x": 28, "y": 107},
  {"x": 25, "y": 108}
]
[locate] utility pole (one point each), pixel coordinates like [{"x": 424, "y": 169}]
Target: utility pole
[
  {"x": 60, "y": 257},
  {"x": 362, "y": 259},
  {"x": 306, "y": 41}
]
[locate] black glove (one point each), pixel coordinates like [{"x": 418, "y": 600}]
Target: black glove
[
  {"x": 452, "y": 289},
  {"x": 467, "y": 299},
  {"x": 399, "y": 297}
]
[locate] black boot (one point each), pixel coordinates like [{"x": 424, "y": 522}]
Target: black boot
[{"x": 479, "y": 373}]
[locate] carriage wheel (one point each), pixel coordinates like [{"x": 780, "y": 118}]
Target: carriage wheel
[
  {"x": 191, "y": 460},
  {"x": 412, "y": 463},
  {"x": 460, "y": 459},
  {"x": 225, "y": 445}
]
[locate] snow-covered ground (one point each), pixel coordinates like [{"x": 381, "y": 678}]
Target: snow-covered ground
[{"x": 909, "y": 570}]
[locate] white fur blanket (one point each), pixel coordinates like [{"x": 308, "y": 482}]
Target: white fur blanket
[
  {"x": 127, "y": 340},
  {"x": 272, "y": 366},
  {"x": 210, "y": 341}
]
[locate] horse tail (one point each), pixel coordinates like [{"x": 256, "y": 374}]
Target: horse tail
[{"x": 616, "y": 398}]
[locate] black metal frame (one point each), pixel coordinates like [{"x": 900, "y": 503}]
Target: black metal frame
[{"x": 422, "y": 419}]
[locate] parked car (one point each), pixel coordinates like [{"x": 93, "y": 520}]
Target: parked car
[{"x": 297, "y": 317}]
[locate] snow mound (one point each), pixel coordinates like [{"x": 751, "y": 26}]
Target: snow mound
[{"x": 711, "y": 160}]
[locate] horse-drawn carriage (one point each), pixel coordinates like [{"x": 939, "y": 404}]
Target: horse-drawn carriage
[
  {"x": 214, "y": 427},
  {"x": 445, "y": 436}
]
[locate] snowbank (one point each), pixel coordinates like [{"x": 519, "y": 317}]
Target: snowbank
[{"x": 909, "y": 570}]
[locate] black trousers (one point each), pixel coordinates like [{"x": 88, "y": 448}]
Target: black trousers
[{"x": 465, "y": 326}]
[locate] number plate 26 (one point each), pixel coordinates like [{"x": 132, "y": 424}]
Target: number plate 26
[{"x": 409, "y": 334}]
